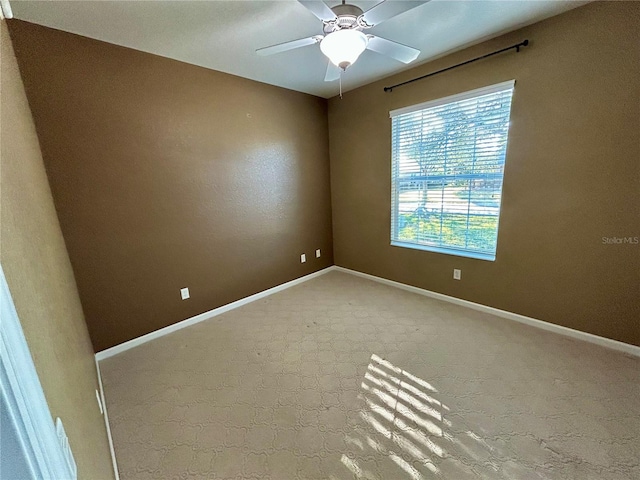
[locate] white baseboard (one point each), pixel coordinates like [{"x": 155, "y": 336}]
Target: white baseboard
[
  {"x": 106, "y": 423},
  {"x": 588, "y": 337},
  {"x": 551, "y": 327},
  {"x": 110, "y": 352},
  {"x": 5, "y": 10}
]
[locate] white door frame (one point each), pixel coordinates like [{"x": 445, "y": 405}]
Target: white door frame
[{"x": 47, "y": 452}]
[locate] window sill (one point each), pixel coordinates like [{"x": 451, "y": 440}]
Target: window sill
[{"x": 446, "y": 251}]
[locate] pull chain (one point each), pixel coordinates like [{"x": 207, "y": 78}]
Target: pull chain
[{"x": 340, "y": 84}]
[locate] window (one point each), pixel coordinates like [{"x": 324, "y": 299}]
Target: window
[{"x": 448, "y": 160}]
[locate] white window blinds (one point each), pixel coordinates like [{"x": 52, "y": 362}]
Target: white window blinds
[{"x": 447, "y": 166}]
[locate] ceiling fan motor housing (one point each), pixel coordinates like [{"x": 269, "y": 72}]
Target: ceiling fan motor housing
[{"x": 347, "y": 18}]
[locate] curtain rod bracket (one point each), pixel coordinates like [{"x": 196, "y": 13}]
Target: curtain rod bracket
[
  {"x": 517, "y": 47},
  {"x": 523, "y": 44}
]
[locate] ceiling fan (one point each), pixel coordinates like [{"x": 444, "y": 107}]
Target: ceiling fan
[{"x": 343, "y": 40}]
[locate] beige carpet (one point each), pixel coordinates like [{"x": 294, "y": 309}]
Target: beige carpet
[{"x": 341, "y": 378}]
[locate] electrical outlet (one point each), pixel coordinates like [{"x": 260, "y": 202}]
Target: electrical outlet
[
  {"x": 303, "y": 258},
  {"x": 184, "y": 293},
  {"x": 318, "y": 253},
  {"x": 457, "y": 274},
  {"x": 99, "y": 403}
]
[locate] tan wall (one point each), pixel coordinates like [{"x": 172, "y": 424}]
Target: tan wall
[
  {"x": 167, "y": 175},
  {"x": 37, "y": 268},
  {"x": 571, "y": 177}
]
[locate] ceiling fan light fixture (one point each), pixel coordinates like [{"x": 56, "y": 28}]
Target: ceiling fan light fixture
[{"x": 343, "y": 47}]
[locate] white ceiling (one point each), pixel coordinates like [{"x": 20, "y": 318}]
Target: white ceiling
[{"x": 223, "y": 35}]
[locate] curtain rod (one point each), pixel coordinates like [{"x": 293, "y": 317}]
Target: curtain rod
[{"x": 517, "y": 46}]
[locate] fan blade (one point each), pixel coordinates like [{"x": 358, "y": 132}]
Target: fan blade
[
  {"x": 319, "y": 9},
  {"x": 396, "y": 50},
  {"x": 283, "y": 47},
  {"x": 388, "y": 9},
  {"x": 333, "y": 73}
]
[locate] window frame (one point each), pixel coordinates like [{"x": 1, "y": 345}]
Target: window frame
[{"x": 447, "y": 250}]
